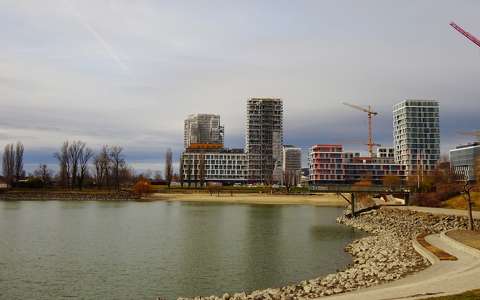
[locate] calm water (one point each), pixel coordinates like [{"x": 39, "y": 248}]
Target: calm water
[{"x": 132, "y": 250}]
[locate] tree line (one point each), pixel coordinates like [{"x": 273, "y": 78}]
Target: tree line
[{"x": 78, "y": 166}]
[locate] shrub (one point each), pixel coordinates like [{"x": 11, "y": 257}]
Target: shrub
[{"x": 142, "y": 187}]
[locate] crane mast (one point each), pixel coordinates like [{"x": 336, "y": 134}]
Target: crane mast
[
  {"x": 370, "y": 114},
  {"x": 468, "y": 35}
]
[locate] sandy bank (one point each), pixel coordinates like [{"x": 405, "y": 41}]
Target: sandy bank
[{"x": 253, "y": 198}]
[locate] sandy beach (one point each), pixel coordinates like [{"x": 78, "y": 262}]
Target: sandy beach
[{"x": 253, "y": 198}]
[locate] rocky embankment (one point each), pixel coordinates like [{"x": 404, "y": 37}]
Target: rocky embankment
[
  {"x": 386, "y": 255},
  {"x": 42, "y": 195}
]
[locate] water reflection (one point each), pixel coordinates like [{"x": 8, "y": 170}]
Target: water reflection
[{"x": 131, "y": 250}]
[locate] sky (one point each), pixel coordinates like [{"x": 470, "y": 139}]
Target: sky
[{"x": 127, "y": 73}]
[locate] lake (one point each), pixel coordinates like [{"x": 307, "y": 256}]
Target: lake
[{"x": 143, "y": 250}]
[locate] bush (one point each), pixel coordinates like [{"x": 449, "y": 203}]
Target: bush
[{"x": 142, "y": 187}]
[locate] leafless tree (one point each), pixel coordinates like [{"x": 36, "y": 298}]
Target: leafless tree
[
  {"x": 85, "y": 156},
  {"x": 201, "y": 170},
  {"x": 8, "y": 165},
  {"x": 287, "y": 179},
  {"x": 18, "y": 171},
  {"x": 64, "y": 164},
  {"x": 181, "y": 170},
  {"x": 75, "y": 151},
  {"x": 468, "y": 187},
  {"x": 118, "y": 162},
  {"x": 189, "y": 174},
  {"x": 44, "y": 173},
  {"x": 168, "y": 167}
]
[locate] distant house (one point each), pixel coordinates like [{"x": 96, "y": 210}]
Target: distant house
[{"x": 3, "y": 184}]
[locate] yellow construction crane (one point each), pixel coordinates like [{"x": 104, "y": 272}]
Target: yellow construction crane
[{"x": 370, "y": 114}]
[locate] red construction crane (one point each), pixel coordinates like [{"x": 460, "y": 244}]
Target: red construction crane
[
  {"x": 466, "y": 34},
  {"x": 370, "y": 114}
]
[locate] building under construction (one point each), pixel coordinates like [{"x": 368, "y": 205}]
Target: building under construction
[
  {"x": 203, "y": 129},
  {"x": 263, "y": 138}
]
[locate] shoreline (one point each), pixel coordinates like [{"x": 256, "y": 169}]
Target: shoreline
[
  {"x": 386, "y": 255},
  {"x": 330, "y": 200}
]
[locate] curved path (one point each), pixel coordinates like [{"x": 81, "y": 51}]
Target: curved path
[
  {"x": 442, "y": 278},
  {"x": 441, "y": 211}
]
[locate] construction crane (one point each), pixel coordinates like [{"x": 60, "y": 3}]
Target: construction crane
[
  {"x": 466, "y": 34},
  {"x": 475, "y": 133},
  {"x": 370, "y": 114}
]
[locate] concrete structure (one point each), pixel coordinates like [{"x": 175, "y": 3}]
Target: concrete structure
[
  {"x": 326, "y": 164},
  {"x": 264, "y": 137},
  {"x": 385, "y": 152},
  {"x": 416, "y": 133},
  {"x": 203, "y": 129},
  {"x": 330, "y": 164},
  {"x": 372, "y": 168},
  {"x": 226, "y": 166},
  {"x": 291, "y": 164},
  {"x": 463, "y": 159}
]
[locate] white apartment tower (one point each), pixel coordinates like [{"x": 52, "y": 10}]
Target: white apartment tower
[
  {"x": 203, "y": 129},
  {"x": 416, "y": 135},
  {"x": 264, "y": 137}
]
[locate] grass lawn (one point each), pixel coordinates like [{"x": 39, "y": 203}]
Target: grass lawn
[
  {"x": 471, "y": 295},
  {"x": 459, "y": 202}
]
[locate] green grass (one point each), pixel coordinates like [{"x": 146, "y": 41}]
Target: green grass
[{"x": 470, "y": 295}]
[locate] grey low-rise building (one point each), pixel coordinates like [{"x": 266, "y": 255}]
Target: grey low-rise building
[
  {"x": 225, "y": 166},
  {"x": 463, "y": 160}
]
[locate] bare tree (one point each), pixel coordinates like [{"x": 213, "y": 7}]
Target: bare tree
[
  {"x": 467, "y": 194},
  {"x": 18, "y": 171},
  {"x": 64, "y": 164},
  {"x": 8, "y": 165},
  {"x": 85, "y": 156},
  {"x": 168, "y": 167},
  {"x": 118, "y": 162},
  {"x": 468, "y": 187},
  {"x": 44, "y": 173},
  {"x": 189, "y": 174},
  {"x": 201, "y": 170},
  {"x": 287, "y": 180},
  {"x": 181, "y": 170},
  {"x": 75, "y": 151}
]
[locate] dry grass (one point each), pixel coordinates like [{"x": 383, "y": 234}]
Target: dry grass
[
  {"x": 459, "y": 202},
  {"x": 467, "y": 237}
]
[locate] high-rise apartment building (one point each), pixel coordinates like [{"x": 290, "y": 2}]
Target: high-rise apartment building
[
  {"x": 264, "y": 137},
  {"x": 416, "y": 134},
  {"x": 291, "y": 164},
  {"x": 203, "y": 129},
  {"x": 291, "y": 158}
]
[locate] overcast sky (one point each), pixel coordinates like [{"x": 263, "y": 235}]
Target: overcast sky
[{"x": 129, "y": 72}]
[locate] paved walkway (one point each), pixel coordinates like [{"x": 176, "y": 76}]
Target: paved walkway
[
  {"x": 441, "y": 211},
  {"x": 442, "y": 278}
]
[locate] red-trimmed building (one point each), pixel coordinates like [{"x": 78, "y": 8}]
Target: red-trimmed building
[{"x": 330, "y": 164}]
